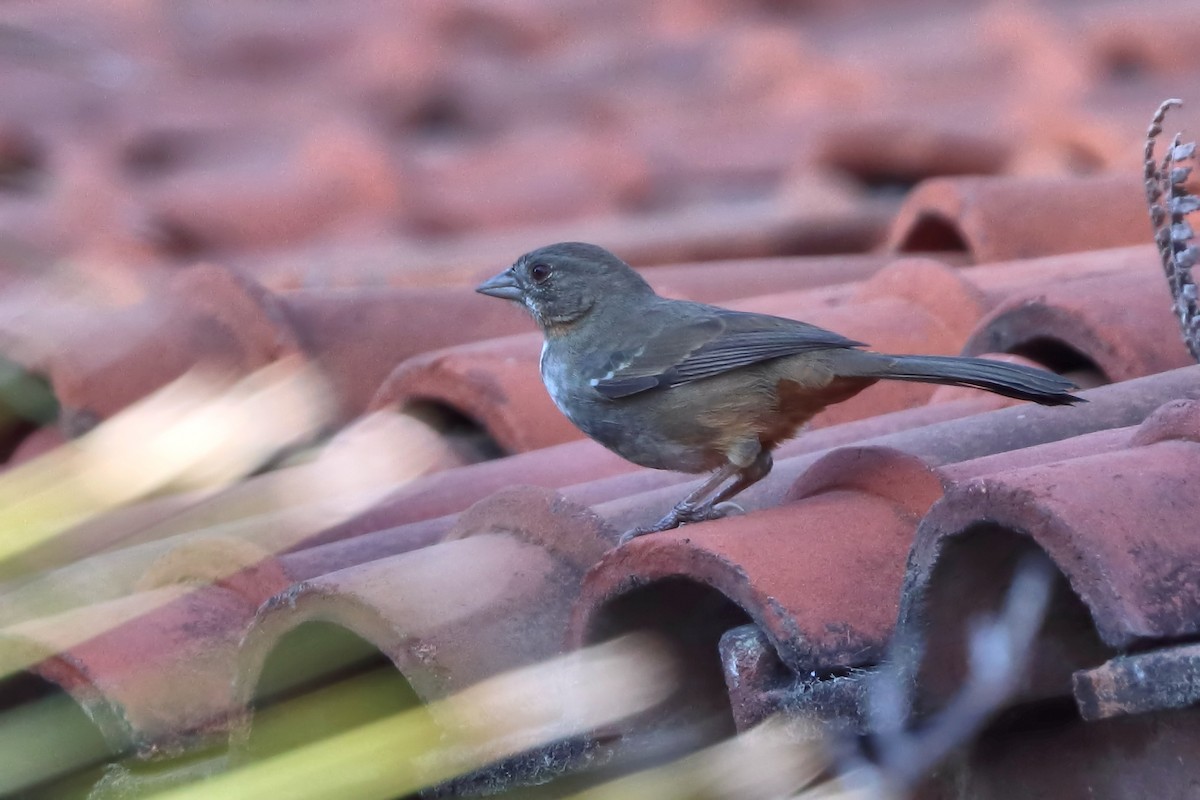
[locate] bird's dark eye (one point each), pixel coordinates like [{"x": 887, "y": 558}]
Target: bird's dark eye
[{"x": 540, "y": 273}]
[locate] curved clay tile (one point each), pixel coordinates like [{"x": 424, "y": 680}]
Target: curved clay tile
[
  {"x": 101, "y": 360},
  {"x": 718, "y": 281},
  {"x": 766, "y": 566},
  {"x": 494, "y": 596},
  {"x": 1003, "y": 218},
  {"x": 1120, "y": 546},
  {"x": 493, "y": 384},
  {"x": 1118, "y": 326},
  {"x": 336, "y": 174},
  {"x": 358, "y": 335},
  {"x": 893, "y": 147},
  {"x": 151, "y": 670}
]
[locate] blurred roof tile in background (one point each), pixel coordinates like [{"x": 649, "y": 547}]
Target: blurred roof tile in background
[{"x": 236, "y": 186}]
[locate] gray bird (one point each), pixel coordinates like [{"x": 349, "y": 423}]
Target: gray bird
[{"x": 677, "y": 385}]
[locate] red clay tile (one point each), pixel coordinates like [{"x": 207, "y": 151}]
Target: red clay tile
[
  {"x": 634, "y": 481},
  {"x": 358, "y": 336},
  {"x": 1120, "y": 550},
  {"x": 705, "y": 232},
  {"x": 151, "y": 670},
  {"x": 194, "y": 633},
  {"x": 815, "y": 609},
  {"x": 996, "y": 219},
  {"x": 895, "y": 148},
  {"x": 733, "y": 153},
  {"x": 944, "y": 443},
  {"x": 358, "y": 542},
  {"x": 85, "y": 208},
  {"x": 759, "y": 682},
  {"x": 814, "y": 618},
  {"x": 252, "y": 44},
  {"x": 236, "y": 538},
  {"x": 447, "y": 492},
  {"x": 106, "y": 576},
  {"x": 183, "y": 637},
  {"x": 495, "y": 384},
  {"x": 772, "y": 227},
  {"x": 493, "y": 597},
  {"x": 999, "y": 280},
  {"x": 385, "y": 133},
  {"x": 561, "y": 176},
  {"x": 894, "y": 477},
  {"x": 37, "y": 443},
  {"x": 337, "y": 175},
  {"x": 99, "y": 360},
  {"x": 1103, "y": 520},
  {"x": 717, "y": 281},
  {"x": 355, "y": 336},
  {"x": 1128, "y": 40},
  {"x": 1117, "y": 327},
  {"x": 1098, "y": 126},
  {"x": 120, "y": 527},
  {"x": 745, "y": 557},
  {"x": 590, "y": 474}
]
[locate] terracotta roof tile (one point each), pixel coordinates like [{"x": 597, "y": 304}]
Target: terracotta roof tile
[
  {"x": 896, "y": 476},
  {"x": 706, "y": 231},
  {"x": 972, "y": 437},
  {"x": 1120, "y": 603},
  {"x": 358, "y": 336},
  {"x": 437, "y": 613},
  {"x": 1132, "y": 588},
  {"x": 156, "y": 679},
  {"x": 351, "y": 177},
  {"x": 98, "y": 360},
  {"x": 1002, "y": 218},
  {"x": 1138, "y": 683},
  {"x": 335, "y": 175},
  {"x": 1119, "y": 326},
  {"x": 391, "y": 599},
  {"x": 494, "y": 383},
  {"x": 892, "y": 150}
]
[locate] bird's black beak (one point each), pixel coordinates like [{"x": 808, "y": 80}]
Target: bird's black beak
[{"x": 504, "y": 286}]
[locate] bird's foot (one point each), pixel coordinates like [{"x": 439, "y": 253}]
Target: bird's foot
[{"x": 683, "y": 514}]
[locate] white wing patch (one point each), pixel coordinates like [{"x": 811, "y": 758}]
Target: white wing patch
[{"x": 608, "y": 376}]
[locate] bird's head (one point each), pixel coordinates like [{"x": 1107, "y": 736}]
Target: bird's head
[{"x": 561, "y": 284}]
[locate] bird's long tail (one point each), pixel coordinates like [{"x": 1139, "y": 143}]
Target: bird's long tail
[{"x": 1010, "y": 380}]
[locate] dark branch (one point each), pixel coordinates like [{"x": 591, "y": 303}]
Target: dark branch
[
  {"x": 1170, "y": 203},
  {"x": 998, "y": 652}
]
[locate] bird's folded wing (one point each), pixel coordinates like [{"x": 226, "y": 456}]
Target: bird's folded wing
[{"x": 681, "y": 351}]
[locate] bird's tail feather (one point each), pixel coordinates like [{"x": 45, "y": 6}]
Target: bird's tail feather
[{"x": 1010, "y": 380}]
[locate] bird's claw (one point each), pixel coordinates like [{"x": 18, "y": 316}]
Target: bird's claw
[
  {"x": 726, "y": 509},
  {"x": 682, "y": 515}
]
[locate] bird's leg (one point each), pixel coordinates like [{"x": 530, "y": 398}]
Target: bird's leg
[
  {"x": 759, "y": 468},
  {"x": 689, "y": 508},
  {"x": 750, "y": 464}
]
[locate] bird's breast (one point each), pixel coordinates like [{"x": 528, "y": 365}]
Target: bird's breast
[{"x": 562, "y": 384}]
